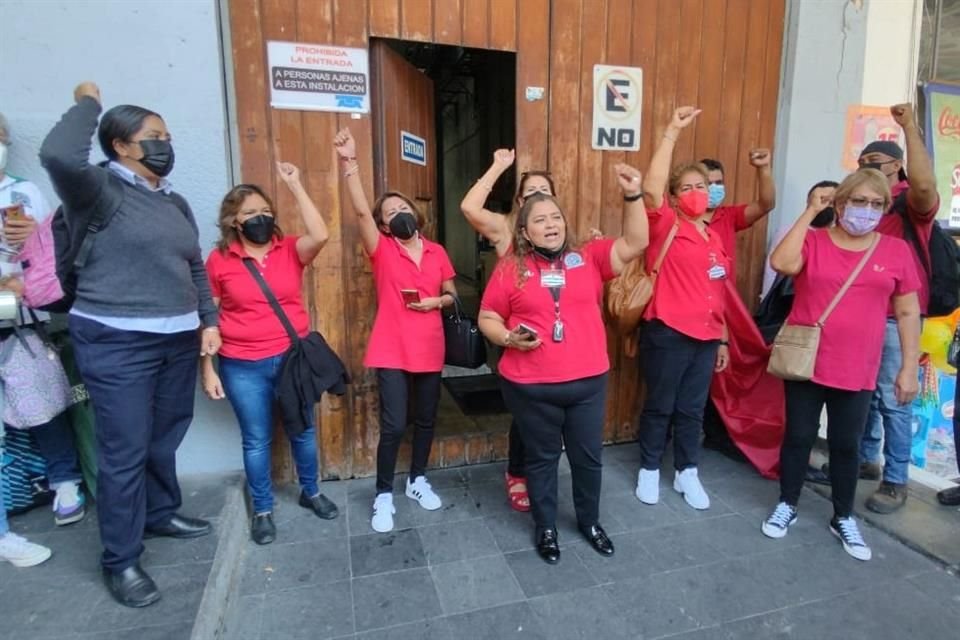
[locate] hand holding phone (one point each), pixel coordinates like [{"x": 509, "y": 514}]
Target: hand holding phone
[
  {"x": 529, "y": 333},
  {"x": 410, "y": 296}
]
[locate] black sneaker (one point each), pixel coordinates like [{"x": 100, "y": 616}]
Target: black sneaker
[
  {"x": 777, "y": 523},
  {"x": 262, "y": 529},
  {"x": 849, "y": 533}
]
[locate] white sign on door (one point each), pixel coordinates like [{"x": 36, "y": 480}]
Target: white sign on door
[
  {"x": 318, "y": 77},
  {"x": 617, "y": 104}
]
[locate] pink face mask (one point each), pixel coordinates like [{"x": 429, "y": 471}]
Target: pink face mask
[{"x": 693, "y": 203}]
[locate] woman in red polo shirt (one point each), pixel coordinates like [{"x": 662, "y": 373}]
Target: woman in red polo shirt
[
  {"x": 254, "y": 340},
  {"x": 683, "y": 339},
  {"x": 497, "y": 228},
  {"x": 414, "y": 280},
  {"x": 542, "y": 305},
  {"x": 851, "y": 342}
]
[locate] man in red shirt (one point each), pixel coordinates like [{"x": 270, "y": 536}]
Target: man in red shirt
[
  {"x": 727, "y": 220},
  {"x": 888, "y": 418}
]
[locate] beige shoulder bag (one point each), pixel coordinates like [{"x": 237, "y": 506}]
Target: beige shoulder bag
[{"x": 794, "y": 354}]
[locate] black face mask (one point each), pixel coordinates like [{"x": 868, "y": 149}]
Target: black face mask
[
  {"x": 549, "y": 254},
  {"x": 878, "y": 166},
  {"x": 403, "y": 225},
  {"x": 258, "y": 229},
  {"x": 824, "y": 218},
  {"x": 157, "y": 156}
]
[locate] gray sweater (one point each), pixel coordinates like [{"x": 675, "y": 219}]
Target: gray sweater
[{"x": 146, "y": 262}]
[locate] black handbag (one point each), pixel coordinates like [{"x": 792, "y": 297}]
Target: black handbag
[
  {"x": 953, "y": 351},
  {"x": 463, "y": 342}
]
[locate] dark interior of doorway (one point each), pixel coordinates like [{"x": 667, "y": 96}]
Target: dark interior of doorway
[{"x": 475, "y": 107}]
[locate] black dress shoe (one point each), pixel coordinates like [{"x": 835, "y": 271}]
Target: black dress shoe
[
  {"x": 262, "y": 529},
  {"x": 179, "y": 527},
  {"x": 131, "y": 587},
  {"x": 320, "y": 505},
  {"x": 949, "y": 497},
  {"x": 598, "y": 539},
  {"x": 547, "y": 546}
]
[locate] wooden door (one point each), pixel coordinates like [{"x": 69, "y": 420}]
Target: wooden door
[{"x": 402, "y": 111}]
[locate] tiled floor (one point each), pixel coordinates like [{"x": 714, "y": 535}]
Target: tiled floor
[{"x": 469, "y": 571}]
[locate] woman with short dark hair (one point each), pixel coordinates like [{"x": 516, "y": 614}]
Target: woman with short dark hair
[{"x": 142, "y": 296}]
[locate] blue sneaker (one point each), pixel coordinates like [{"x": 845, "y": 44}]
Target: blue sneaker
[{"x": 69, "y": 504}]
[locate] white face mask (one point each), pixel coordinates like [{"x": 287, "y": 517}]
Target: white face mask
[{"x": 3, "y": 156}]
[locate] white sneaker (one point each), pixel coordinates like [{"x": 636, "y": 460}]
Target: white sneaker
[
  {"x": 688, "y": 483},
  {"x": 20, "y": 552},
  {"x": 648, "y": 486},
  {"x": 849, "y": 533},
  {"x": 68, "y": 505},
  {"x": 383, "y": 511},
  {"x": 777, "y": 523},
  {"x": 422, "y": 492}
]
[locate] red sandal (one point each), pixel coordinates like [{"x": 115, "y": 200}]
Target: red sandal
[{"x": 517, "y": 492}]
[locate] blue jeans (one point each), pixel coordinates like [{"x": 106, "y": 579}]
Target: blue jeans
[
  {"x": 889, "y": 420},
  {"x": 249, "y": 386},
  {"x": 56, "y": 444}
]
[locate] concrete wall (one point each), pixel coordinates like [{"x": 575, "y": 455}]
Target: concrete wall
[{"x": 161, "y": 54}]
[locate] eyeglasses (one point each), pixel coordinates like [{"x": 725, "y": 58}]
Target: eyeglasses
[{"x": 877, "y": 205}]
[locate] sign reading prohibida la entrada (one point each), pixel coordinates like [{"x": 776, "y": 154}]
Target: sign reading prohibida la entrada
[
  {"x": 318, "y": 77},
  {"x": 617, "y": 102}
]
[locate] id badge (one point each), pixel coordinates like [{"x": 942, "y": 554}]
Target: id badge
[
  {"x": 558, "y": 331},
  {"x": 553, "y": 278},
  {"x": 717, "y": 272}
]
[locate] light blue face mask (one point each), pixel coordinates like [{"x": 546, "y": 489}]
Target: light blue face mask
[
  {"x": 715, "y": 195},
  {"x": 859, "y": 221}
]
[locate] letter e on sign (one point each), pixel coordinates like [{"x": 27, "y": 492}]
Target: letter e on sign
[
  {"x": 413, "y": 148},
  {"x": 617, "y": 106}
]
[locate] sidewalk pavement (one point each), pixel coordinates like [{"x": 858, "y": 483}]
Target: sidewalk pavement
[{"x": 469, "y": 570}]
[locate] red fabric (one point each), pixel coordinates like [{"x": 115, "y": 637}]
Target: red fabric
[
  {"x": 685, "y": 298},
  {"x": 852, "y": 338},
  {"x": 726, "y": 222},
  {"x": 749, "y": 400},
  {"x": 249, "y": 327},
  {"x": 583, "y": 352},
  {"x": 923, "y": 221},
  {"x": 403, "y": 338}
]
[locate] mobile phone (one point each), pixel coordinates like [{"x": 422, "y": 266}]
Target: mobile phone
[
  {"x": 410, "y": 295},
  {"x": 526, "y": 331},
  {"x": 14, "y": 212}
]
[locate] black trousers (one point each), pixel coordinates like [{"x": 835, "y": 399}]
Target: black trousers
[
  {"x": 677, "y": 370},
  {"x": 846, "y": 418},
  {"x": 395, "y": 390},
  {"x": 516, "y": 465},
  {"x": 551, "y": 416},
  {"x": 142, "y": 388}
]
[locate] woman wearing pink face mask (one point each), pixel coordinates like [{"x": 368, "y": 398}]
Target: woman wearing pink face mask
[
  {"x": 851, "y": 340},
  {"x": 683, "y": 339}
]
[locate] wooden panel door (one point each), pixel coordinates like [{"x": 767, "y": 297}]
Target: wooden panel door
[{"x": 402, "y": 101}]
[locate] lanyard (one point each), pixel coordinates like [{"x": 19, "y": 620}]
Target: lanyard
[{"x": 555, "y": 294}]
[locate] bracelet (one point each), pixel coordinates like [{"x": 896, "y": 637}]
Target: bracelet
[
  {"x": 352, "y": 170},
  {"x": 344, "y": 159},
  {"x": 670, "y": 138},
  {"x": 633, "y": 198}
]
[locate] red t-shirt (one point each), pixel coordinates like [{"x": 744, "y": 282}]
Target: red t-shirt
[
  {"x": 923, "y": 221},
  {"x": 249, "y": 327},
  {"x": 852, "y": 336},
  {"x": 403, "y": 338},
  {"x": 689, "y": 293},
  {"x": 583, "y": 351},
  {"x": 726, "y": 222}
]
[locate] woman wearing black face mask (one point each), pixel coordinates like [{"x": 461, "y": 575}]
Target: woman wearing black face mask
[
  {"x": 414, "y": 280},
  {"x": 142, "y": 296},
  {"x": 254, "y": 340}
]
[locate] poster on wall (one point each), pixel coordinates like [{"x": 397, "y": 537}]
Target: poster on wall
[
  {"x": 864, "y": 125},
  {"x": 318, "y": 77},
  {"x": 617, "y": 101},
  {"x": 942, "y": 103}
]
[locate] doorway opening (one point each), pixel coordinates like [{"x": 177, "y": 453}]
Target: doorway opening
[{"x": 474, "y": 114}]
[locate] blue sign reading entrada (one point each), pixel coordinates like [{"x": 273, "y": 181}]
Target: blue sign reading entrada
[{"x": 413, "y": 148}]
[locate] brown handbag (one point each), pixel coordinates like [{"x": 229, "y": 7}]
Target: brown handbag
[
  {"x": 794, "y": 354},
  {"x": 629, "y": 294}
]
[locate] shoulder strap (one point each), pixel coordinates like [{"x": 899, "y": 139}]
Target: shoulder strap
[
  {"x": 666, "y": 245},
  {"x": 853, "y": 276},
  {"x": 274, "y": 304},
  {"x": 97, "y": 221}
]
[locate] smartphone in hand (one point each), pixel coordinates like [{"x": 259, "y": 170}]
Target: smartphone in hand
[
  {"x": 527, "y": 332},
  {"x": 410, "y": 296},
  {"x": 13, "y": 212}
]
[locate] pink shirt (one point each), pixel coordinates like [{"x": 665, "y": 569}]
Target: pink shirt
[
  {"x": 583, "y": 351},
  {"x": 403, "y": 338},
  {"x": 852, "y": 337}
]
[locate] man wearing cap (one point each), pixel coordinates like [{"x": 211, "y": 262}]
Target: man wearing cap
[{"x": 889, "y": 419}]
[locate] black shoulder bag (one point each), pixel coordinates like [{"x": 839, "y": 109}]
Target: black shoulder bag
[{"x": 463, "y": 342}]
